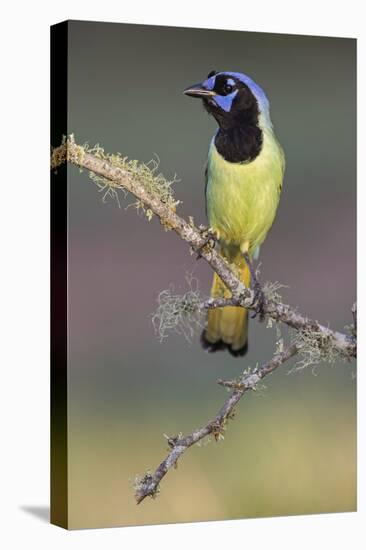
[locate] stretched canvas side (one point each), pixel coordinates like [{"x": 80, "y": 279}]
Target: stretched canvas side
[{"x": 59, "y": 462}]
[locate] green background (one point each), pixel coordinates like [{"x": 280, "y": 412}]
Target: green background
[{"x": 292, "y": 447}]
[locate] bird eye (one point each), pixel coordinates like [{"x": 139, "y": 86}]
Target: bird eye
[{"x": 228, "y": 88}]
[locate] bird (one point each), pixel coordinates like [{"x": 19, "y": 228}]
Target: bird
[{"x": 244, "y": 175}]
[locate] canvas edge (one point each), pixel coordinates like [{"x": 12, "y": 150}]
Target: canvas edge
[{"x": 58, "y": 314}]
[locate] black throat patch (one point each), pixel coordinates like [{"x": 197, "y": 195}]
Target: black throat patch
[
  {"x": 239, "y": 144},
  {"x": 239, "y": 138}
]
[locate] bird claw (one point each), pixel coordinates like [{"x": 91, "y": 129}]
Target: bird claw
[
  {"x": 210, "y": 239},
  {"x": 259, "y": 301}
]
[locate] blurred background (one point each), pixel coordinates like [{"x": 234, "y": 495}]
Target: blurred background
[{"x": 292, "y": 447}]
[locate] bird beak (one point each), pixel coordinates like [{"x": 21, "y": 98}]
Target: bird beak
[{"x": 197, "y": 90}]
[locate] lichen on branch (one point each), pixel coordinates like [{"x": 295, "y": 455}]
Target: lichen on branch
[
  {"x": 180, "y": 313},
  {"x": 146, "y": 174}
]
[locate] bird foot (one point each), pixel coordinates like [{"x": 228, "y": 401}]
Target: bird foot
[
  {"x": 210, "y": 239},
  {"x": 259, "y": 300}
]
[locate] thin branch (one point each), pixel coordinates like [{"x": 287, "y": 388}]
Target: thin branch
[
  {"x": 149, "y": 484},
  {"x": 241, "y": 296},
  {"x": 313, "y": 339}
]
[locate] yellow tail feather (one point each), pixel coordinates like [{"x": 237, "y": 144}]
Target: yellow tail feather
[{"x": 227, "y": 327}]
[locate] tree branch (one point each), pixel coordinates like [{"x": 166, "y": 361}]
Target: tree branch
[
  {"x": 346, "y": 345},
  {"x": 149, "y": 484},
  {"x": 313, "y": 338}
]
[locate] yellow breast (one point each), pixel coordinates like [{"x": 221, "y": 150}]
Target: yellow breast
[{"x": 242, "y": 199}]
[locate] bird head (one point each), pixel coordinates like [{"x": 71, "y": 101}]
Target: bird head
[{"x": 232, "y": 99}]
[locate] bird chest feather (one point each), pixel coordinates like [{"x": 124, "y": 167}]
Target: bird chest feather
[{"x": 242, "y": 198}]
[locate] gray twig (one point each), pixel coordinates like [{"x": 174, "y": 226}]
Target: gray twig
[
  {"x": 241, "y": 296},
  {"x": 118, "y": 175},
  {"x": 149, "y": 484}
]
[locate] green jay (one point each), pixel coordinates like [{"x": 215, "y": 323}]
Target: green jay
[{"x": 244, "y": 175}]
